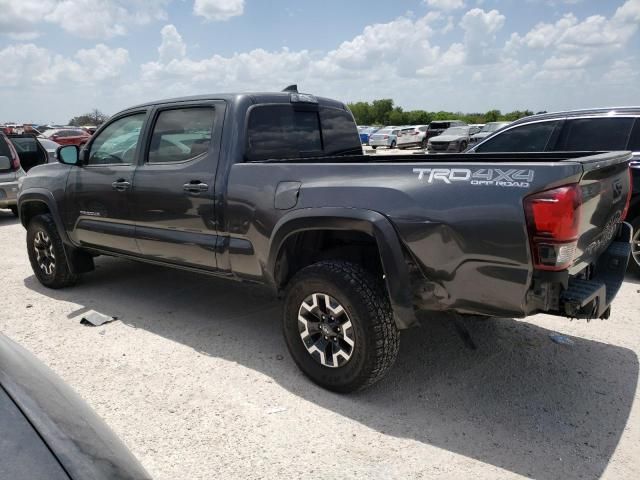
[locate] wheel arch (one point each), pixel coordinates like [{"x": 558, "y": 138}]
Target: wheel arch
[{"x": 364, "y": 222}]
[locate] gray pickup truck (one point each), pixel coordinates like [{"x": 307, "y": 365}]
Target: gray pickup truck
[{"x": 273, "y": 188}]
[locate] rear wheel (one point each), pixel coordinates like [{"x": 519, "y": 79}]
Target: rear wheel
[
  {"x": 339, "y": 326},
  {"x": 46, "y": 253},
  {"x": 634, "y": 262},
  {"x": 14, "y": 210}
]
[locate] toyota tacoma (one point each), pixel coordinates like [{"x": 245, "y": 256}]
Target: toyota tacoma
[{"x": 274, "y": 188}]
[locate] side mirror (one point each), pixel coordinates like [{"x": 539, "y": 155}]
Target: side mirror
[
  {"x": 68, "y": 154},
  {"x": 5, "y": 163}
]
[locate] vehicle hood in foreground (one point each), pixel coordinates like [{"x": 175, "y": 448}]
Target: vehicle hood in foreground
[{"x": 83, "y": 444}]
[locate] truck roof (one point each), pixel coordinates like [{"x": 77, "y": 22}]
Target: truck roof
[{"x": 256, "y": 97}]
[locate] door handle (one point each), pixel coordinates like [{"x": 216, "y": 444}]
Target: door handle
[
  {"x": 121, "y": 185},
  {"x": 195, "y": 187}
]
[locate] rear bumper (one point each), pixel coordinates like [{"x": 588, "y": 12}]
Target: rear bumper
[
  {"x": 592, "y": 297},
  {"x": 8, "y": 194}
]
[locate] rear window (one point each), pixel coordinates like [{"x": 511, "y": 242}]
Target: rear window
[
  {"x": 595, "y": 134},
  {"x": 282, "y": 132},
  {"x": 439, "y": 125},
  {"x": 4, "y": 148},
  {"x": 4, "y": 151}
]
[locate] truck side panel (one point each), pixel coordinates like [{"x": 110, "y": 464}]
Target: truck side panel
[{"x": 463, "y": 224}]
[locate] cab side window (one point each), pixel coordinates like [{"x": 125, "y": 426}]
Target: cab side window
[
  {"x": 117, "y": 143},
  {"x": 608, "y": 133},
  {"x": 181, "y": 134},
  {"x": 533, "y": 137}
]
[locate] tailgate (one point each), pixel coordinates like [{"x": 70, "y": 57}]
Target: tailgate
[{"x": 605, "y": 187}]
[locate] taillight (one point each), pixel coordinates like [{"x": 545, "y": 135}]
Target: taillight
[
  {"x": 626, "y": 205},
  {"x": 553, "y": 220},
  {"x": 15, "y": 159}
]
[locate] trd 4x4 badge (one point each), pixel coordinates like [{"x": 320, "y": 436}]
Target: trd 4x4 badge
[{"x": 482, "y": 176}]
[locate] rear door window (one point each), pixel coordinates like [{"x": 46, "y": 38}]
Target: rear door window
[
  {"x": 282, "y": 132},
  {"x": 533, "y": 137},
  {"x": 180, "y": 135},
  {"x": 604, "y": 133}
]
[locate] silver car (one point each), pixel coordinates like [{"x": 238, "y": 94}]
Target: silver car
[
  {"x": 385, "y": 137},
  {"x": 10, "y": 171},
  {"x": 452, "y": 140},
  {"x": 18, "y": 154}
]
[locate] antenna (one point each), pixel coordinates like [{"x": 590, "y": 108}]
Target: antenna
[{"x": 291, "y": 88}]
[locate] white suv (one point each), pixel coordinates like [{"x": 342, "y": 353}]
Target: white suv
[{"x": 413, "y": 136}]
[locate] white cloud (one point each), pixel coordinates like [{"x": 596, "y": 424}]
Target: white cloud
[
  {"x": 445, "y": 4},
  {"x": 83, "y": 18},
  {"x": 172, "y": 46},
  {"x": 218, "y": 10},
  {"x": 27, "y": 64}
]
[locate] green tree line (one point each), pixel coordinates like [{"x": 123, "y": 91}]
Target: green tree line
[{"x": 384, "y": 112}]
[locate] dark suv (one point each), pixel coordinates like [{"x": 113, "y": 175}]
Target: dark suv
[{"x": 579, "y": 130}]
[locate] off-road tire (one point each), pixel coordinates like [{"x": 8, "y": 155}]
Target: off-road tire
[
  {"x": 61, "y": 276},
  {"x": 365, "y": 301}
]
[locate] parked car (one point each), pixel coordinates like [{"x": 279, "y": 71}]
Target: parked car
[
  {"x": 355, "y": 243},
  {"x": 49, "y": 432},
  {"x": 436, "y": 128},
  {"x": 385, "y": 137},
  {"x": 452, "y": 140},
  {"x": 487, "y": 130},
  {"x": 414, "y": 136},
  {"x": 18, "y": 154},
  {"x": 67, "y": 136},
  {"x": 365, "y": 133},
  {"x": 10, "y": 171},
  {"x": 579, "y": 130}
]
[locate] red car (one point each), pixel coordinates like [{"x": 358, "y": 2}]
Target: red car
[{"x": 68, "y": 136}]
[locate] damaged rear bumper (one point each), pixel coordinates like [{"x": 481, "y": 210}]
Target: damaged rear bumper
[{"x": 591, "y": 298}]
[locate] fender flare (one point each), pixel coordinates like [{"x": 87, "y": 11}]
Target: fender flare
[
  {"x": 42, "y": 195},
  {"x": 376, "y": 225}
]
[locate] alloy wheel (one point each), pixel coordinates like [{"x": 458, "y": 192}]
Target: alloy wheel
[
  {"x": 326, "y": 330},
  {"x": 45, "y": 256}
]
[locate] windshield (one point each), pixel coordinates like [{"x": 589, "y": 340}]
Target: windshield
[
  {"x": 456, "y": 131},
  {"x": 385, "y": 131}
]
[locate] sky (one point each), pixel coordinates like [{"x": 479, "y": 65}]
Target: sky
[{"x": 62, "y": 58}]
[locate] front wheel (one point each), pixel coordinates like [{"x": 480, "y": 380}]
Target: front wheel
[
  {"x": 339, "y": 326},
  {"x": 46, "y": 253}
]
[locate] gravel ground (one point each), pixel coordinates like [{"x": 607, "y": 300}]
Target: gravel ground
[{"x": 196, "y": 379}]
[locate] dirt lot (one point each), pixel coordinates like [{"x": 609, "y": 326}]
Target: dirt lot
[{"x": 196, "y": 379}]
